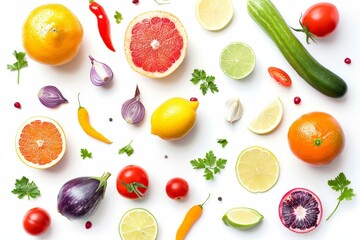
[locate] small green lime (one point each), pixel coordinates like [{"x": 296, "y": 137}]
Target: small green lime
[
  {"x": 242, "y": 218},
  {"x": 237, "y": 60}
]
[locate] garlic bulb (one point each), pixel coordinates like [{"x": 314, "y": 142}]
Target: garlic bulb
[{"x": 233, "y": 110}]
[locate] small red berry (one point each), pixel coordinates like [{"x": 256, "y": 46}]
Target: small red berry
[
  {"x": 297, "y": 100},
  {"x": 88, "y": 225},
  {"x": 135, "y": 1},
  {"x": 193, "y": 99},
  {"x": 17, "y": 105},
  {"x": 347, "y": 60}
]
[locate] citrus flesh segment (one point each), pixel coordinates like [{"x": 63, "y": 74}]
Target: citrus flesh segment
[
  {"x": 268, "y": 119},
  {"x": 155, "y": 43},
  {"x": 257, "y": 169},
  {"x": 138, "y": 224},
  {"x": 242, "y": 217},
  {"x": 40, "y": 142},
  {"x": 237, "y": 60},
  {"x": 214, "y": 15}
]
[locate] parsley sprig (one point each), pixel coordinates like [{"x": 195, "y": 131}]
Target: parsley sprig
[
  {"x": 23, "y": 187},
  {"x": 340, "y": 184},
  {"x": 21, "y": 63},
  {"x": 118, "y": 17},
  {"x": 85, "y": 153},
  {"x": 223, "y": 142},
  {"x": 128, "y": 149},
  {"x": 207, "y": 82},
  {"x": 211, "y": 165}
]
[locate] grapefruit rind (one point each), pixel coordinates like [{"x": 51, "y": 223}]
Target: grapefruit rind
[
  {"x": 18, "y": 135},
  {"x": 128, "y": 40}
]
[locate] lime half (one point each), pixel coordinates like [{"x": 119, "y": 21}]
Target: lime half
[
  {"x": 257, "y": 169},
  {"x": 237, "y": 60},
  {"x": 242, "y": 218},
  {"x": 138, "y": 224}
]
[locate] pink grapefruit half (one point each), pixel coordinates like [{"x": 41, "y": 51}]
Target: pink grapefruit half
[{"x": 155, "y": 43}]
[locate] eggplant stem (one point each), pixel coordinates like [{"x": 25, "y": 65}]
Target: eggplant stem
[{"x": 103, "y": 181}]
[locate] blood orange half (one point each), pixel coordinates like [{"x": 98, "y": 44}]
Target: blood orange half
[
  {"x": 40, "y": 142},
  {"x": 155, "y": 43}
]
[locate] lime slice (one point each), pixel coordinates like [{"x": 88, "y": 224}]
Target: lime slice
[
  {"x": 214, "y": 15},
  {"x": 257, "y": 169},
  {"x": 237, "y": 60},
  {"x": 242, "y": 218},
  {"x": 138, "y": 224},
  {"x": 268, "y": 119}
]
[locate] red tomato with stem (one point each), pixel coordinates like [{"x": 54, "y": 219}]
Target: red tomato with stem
[
  {"x": 132, "y": 182},
  {"x": 177, "y": 188},
  {"x": 36, "y": 221},
  {"x": 280, "y": 76},
  {"x": 320, "y": 20}
]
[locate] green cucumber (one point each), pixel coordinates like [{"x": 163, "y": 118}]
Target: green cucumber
[{"x": 268, "y": 17}]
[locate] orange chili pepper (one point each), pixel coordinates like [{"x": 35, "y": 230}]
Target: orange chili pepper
[{"x": 191, "y": 217}]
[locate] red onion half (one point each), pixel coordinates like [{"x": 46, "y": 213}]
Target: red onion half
[
  {"x": 100, "y": 73},
  {"x": 133, "y": 111},
  {"x": 51, "y": 97}
]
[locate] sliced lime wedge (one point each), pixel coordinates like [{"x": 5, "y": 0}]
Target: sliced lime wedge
[{"x": 242, "y": 217}]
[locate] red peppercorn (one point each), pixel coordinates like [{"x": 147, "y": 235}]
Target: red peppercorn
[
  {"x": 17, "y": 105},
  {"x": 297, "y": 100},
  {"x": 88, "y": 225},
  {"x": 193, "y": 99},
  {"x": 135, "y": 1},
  {"x": 347, "y": 60}
]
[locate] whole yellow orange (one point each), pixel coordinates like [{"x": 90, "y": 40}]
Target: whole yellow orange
[{"x": 52, "y": 34}]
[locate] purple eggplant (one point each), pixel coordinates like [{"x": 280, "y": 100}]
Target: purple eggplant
[{"x": 80, "y": 197}]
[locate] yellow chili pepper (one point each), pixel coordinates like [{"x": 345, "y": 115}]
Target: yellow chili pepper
[
  {"x": 191, "y": 217},
  {"x": 83, "y": 118}
]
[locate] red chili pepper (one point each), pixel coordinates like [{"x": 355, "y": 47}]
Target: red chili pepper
[{"x": 103, "y": 23}]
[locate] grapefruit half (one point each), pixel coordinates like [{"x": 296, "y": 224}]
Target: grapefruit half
[
  {"x": 155, "y": 43},
  {"x": 40, "y": 142}
]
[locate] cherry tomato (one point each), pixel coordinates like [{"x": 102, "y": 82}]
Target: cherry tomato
[
  {"x": 177, "y": 188},
  {"x": 280, "y": 76},
  {"x": 36, "y": 221},
  {"x": 321, "y": 19},
  {"x": 132, "y": 182}
]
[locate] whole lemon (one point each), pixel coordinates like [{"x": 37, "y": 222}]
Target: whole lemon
[
  {"x": 52, "y": 34},
  {"x": 174, "y": 118}
]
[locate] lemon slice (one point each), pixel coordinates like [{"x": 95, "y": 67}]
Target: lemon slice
[
  {"x": 257, "y": 169},
  {"x": 268, "y": 119},
  {"x": 214, "y": 15},
  {"x": 138, "y": 224},
  {"x": 237, "y": 60},
  {"x": 242, "y": 218}
]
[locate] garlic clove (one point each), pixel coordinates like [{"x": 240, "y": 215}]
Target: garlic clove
[{"x": 233, "y": 110}]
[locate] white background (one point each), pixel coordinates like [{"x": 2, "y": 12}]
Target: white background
[{"x": 103, "y": 103}]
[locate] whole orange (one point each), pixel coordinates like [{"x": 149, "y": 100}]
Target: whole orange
[
  {"x": 52, "y": 34},
  {"x": 316, "y": 138}
]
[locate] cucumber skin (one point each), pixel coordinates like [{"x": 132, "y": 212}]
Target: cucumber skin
[{"x": 268, "y": 17}]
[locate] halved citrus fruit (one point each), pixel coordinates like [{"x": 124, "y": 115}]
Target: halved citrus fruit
[
  {"x": 214, "y": 15},
  {"x": 155, "y": 43},
  {"x": 138, "y": 224},
  {"x": 257, "y": 169},
  {"x": 40, "y": 142}
]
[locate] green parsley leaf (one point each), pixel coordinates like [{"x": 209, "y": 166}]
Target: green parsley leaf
[
  {"x": 21, "y": 63},
  {"x": 23, "y": 187},
  {"x": 85, "y": 153},
  {"x": 210, "y": 164},
  {"x": 118, "y": 17},
  {"x": 340, "y": 184},
  {"x": 207, "y": 82},
  {"x": 222, "y": 141},
  {"x": 127, "y": 149}
]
